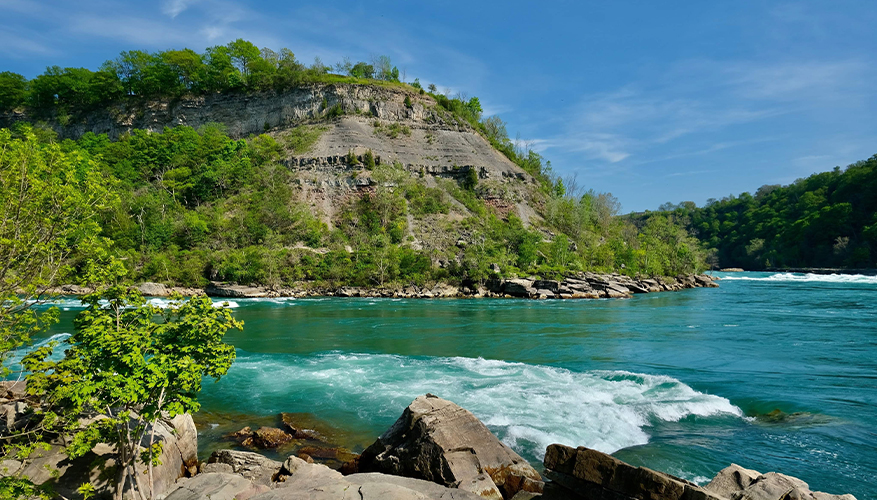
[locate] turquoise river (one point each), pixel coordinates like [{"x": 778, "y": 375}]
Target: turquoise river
[{"x": 775, "y": 372}]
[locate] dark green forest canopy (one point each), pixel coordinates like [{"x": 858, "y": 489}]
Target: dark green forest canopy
[{"x": 827, "y": 220}]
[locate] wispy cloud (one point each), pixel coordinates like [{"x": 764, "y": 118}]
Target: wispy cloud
[
  {"x": 631, "y": 122},
  {"x": 16, "y": 45},
  {"x": 173, "y": 8}
]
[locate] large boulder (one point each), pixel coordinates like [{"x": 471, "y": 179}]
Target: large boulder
[
  {"x": 519, "y": 287},
  {"x": 736, "y": 483},
  {"x": 583, "y": 473},
  {"x": 179, "y": 458},
  {"x": 150, "y": 289},
  {"x": 257, "y": 468},
  {"x": 438, "y": 441}
]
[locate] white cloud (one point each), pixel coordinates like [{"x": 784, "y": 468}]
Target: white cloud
[
  {"x": 173, "y": 8},
  {"x": 700, "y": 99}
]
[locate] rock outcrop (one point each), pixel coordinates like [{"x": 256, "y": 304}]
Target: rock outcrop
[
  {"x": 583, "y": 473},
  {"x": 178, "y": 459},
  {"x": 593, "y": 286},
  {"x": 736, "y": 483},
  {"x": 438, "y": 441},
  {"x": 252, "y": 466},
  {"x": 297, "y": 479}
]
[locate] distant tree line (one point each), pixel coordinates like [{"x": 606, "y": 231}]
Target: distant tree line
[{"x": 828, "y": 219}]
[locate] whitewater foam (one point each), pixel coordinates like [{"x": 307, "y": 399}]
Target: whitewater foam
[
  {"x": 68, "y": 303},
  {"x": 807, "y": 278},
  {"x": 527, "y": 406}
]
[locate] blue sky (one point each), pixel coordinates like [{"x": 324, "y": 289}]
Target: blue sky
[{"x": 651, "y": 101}]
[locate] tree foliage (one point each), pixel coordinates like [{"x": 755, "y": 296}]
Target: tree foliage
[
  {"x": 50, "y": 206},
  {"x": 826, "y": 220},
  {"x": 134, "y": 363}
]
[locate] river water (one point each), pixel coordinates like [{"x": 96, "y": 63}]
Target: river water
[{"x": 772, "y": 371}]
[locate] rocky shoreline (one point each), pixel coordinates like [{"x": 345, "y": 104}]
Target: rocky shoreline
[
  {"x": 436, "y": 450},
  {"x": 581, "y": 285}
]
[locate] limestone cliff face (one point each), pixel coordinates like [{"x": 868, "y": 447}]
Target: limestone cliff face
[
  {"x": 242, "y": 113},
  {"x": 434, "y": 140}
]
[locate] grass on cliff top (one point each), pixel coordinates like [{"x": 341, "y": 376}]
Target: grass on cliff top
[{"x": 301, "y": 139}]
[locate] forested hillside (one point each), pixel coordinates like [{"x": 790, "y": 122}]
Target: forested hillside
[
  {"x": 827, "y": 220},
  {"x": 310, "y": 201}
]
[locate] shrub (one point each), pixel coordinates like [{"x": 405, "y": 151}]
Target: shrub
[{"x": 369, "y": 159}]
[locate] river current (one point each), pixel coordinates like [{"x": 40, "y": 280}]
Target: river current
[{"x": 772, "y": 371}]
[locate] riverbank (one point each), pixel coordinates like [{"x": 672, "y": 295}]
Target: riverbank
[{"x": 582, "y": 285}]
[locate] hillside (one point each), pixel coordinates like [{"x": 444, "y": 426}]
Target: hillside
[{"x": 315, "y": 179}]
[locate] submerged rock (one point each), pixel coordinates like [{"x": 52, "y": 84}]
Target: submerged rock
[
  {"x": 270, "y": 437},
  {"x": 436, "y": 440}
]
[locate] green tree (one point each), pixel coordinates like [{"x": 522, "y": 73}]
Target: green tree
[
  {"x": 135, "y": 362},
  {"x": 50, "y": 201},
  {"x": 13, "y": 90}
]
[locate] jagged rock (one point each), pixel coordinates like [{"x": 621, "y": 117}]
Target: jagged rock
[
  {"x": 436, "y": 440},
  {"x": 270, "y": 437},
  {"x": 519, "y": 287},
  {"x": 252, "y": 466},
  {"x": 481, "y": 485},
  {"x": 705, "y": 280},
  {"x": 737, "y": 483},
  {"x": 348, "y": 292},
  {"x": 582, "y": 473},
  {"x": 732, "y": 479},
  {"x": 13, "y": 416}
]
